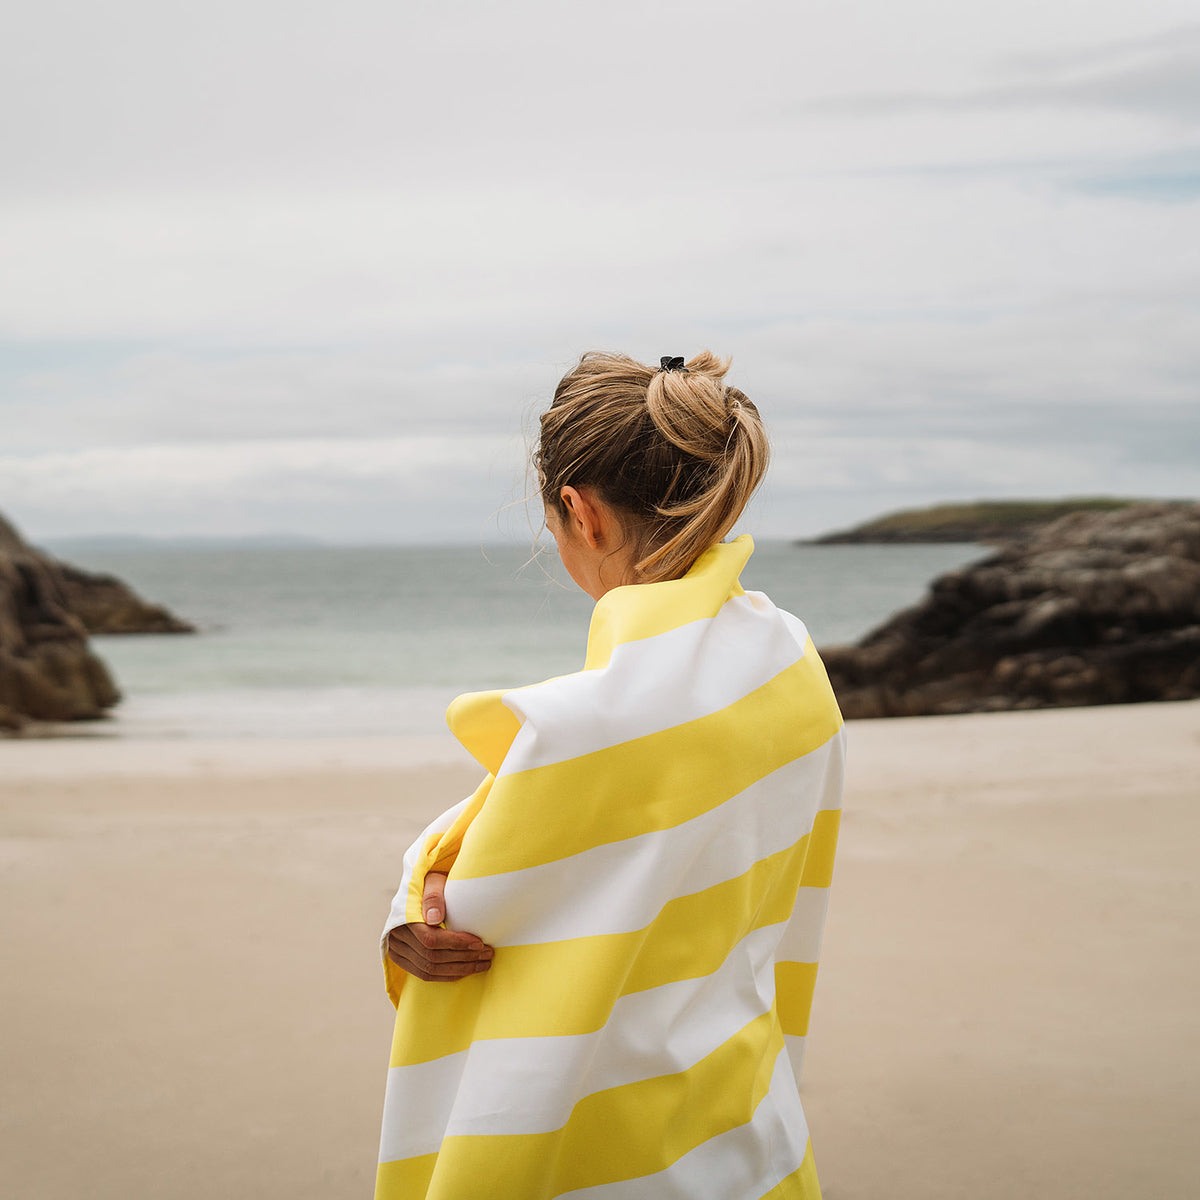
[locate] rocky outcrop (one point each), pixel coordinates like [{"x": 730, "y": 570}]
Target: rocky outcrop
[
  {"x": 1095, "y": 608},
  {"x": 47, "y": 608},
  {"x": 47, "y": 671},
  {"x": 106, "y": 605}
]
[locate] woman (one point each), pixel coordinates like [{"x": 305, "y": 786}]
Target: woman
[{"x": 634, "y": 896}]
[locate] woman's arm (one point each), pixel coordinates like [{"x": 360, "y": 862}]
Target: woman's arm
[{"x": 412, "y": 946}]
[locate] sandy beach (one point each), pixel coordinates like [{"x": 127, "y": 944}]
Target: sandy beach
[{"x": 1007, "y": 998}]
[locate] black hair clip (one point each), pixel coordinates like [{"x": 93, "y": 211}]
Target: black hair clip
[{"x": 671, "y": 364}]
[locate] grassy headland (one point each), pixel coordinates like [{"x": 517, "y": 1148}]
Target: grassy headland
[{"x": 974, "y": 521}]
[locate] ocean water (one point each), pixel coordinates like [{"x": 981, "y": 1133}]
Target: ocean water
[{"x": 340, "y": 640}]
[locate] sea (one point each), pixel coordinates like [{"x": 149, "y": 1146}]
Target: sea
[{"x": 319, "y": 641}]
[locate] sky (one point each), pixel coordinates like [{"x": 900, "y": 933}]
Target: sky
[{"x": 315, "y": 268}]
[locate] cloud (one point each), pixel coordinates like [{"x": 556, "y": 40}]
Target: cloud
[
  {"x": 547, "y": 271},
  {"x": 1156, "y": 77},
  {"x": 1168, "y": 178},
  {"x": 1096, "y": 398},
  {"x": 272, "y": 268},
  {"x": 386, "y": 489},
  {"x": 261, "y": 92},
  {"x": 165, "y": 396}
]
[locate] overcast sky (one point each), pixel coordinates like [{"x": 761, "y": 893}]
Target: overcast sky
[{"x": 315, "y": 268}]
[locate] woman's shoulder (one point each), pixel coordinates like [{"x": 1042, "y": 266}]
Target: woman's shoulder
[{"x": 651, "y": 684}]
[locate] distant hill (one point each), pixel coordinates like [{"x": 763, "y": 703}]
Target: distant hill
[
  {"x": 974, "y": 521},
  {"x": 132, "y": 543}
]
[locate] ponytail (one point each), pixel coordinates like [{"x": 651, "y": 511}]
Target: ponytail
[{"x": 674, "y": 450}]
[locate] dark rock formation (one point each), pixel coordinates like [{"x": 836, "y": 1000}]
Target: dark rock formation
[
  {"x": 47, "y": 671},
  {"x": 106, "y": 605},
  {"x": 1095, "y": 608}
]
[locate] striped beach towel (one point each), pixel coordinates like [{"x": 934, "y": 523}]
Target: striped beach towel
[{"x": 650, "y": 855}]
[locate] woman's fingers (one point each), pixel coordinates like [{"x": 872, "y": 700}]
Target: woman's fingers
[
  {"x": 433, "y": 899},
  {"x": 445, "y": 944},
  {"x": 444, "y": 972},
  {"x": 434, "y": 937},
  {"x": 432, "y": 953},
  {"x": 431, "y": 970}
]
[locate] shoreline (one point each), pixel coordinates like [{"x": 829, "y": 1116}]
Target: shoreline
[
  {"x": 64, "y": 757},
  {"x": 48, "y": 751}
]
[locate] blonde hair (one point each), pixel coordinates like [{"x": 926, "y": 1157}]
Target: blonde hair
[{"x": 676, "y": 452}]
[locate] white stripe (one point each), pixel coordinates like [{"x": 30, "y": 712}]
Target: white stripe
[
  {"x": 707, "y": 665},
  {"x": 797, "y": 627},
  {"x": 834, "y": 782},
  {"x": 741, "y": 1164},
  {"x": 416, "y": 1103},
  {"x": 530, "y": 1085},
  {"x": 802, "y": 941},
  {"x": 794, "y": 1044},
  {"x": 621, "y": 886},
  {"x": 438, "y": 826}
]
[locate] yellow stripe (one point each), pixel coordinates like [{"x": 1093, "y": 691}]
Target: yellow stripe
[
  {"x": 818, "y": 862},
  {"x": 484, "y": 725},
  {"x": 629, "y": 614},
  {"x": 405, "y": 1179},
  {"x": 691, "y": 937},
  {"x": 801, "y": 1184},
  {"x": 440, "y": 852},
  {"x": 652, "y": 782},
  {"x": 620, "y": 1133},
  {"x": 794, "y": 983}
]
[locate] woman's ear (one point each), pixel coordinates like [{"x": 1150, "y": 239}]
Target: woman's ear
[{"x": 587, "y": 515}]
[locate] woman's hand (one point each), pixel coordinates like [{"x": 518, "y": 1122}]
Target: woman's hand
[{"x": 431, "y": 953}]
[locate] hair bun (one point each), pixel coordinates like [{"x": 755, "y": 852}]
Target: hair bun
[{"x": 691, "y": 409}]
